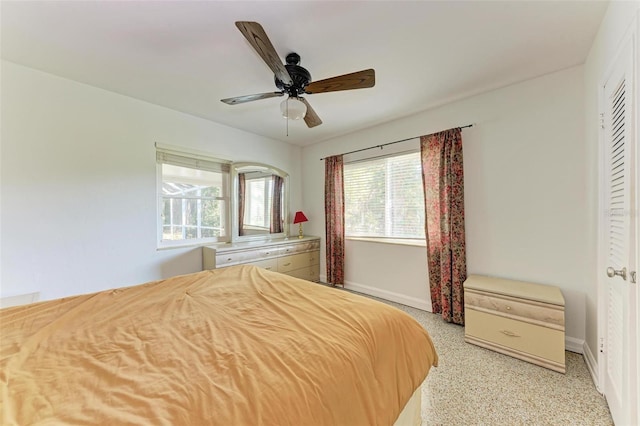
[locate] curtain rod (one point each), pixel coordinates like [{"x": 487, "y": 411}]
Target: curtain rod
[{"x": 390, "y": 143}]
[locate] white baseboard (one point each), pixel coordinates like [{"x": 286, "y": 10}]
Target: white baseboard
[
  {"x": 572, "y": 344},
  {"x": 592, "y": 365},
  {"x": 414, "y": 302},
  {"x": 22, "y": 299}
]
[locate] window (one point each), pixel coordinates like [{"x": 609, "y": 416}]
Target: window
[
  {"x": 384, "y": 197},
  {"x": 193, "y": 199}
]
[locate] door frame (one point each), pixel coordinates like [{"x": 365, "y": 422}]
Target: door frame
[{"x": 631, "y": 36}]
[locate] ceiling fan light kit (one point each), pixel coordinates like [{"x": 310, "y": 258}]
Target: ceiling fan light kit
[
  {"x": 293, "y": 80},
  {"x": 293, "y": 108}
]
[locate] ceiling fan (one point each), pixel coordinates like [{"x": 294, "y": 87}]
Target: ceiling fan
[{"x": 293, "y": 80}]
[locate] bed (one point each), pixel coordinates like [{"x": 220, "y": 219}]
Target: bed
[{"x": 233, "y": 346}]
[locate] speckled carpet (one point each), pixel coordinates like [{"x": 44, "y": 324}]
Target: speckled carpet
[{"x": 476, "y": 386}]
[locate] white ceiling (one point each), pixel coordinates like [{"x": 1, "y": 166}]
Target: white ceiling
[{"x": 189, "y": 55}]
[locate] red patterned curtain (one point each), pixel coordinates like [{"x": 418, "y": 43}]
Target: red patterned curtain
[
  {"x": 334, "y": 216},
  {"x": 443, "y": 179},
  {"x": 276, "y": 205}
]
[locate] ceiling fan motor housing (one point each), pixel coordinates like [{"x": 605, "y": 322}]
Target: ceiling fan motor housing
[{"x": 299, "y": 75}]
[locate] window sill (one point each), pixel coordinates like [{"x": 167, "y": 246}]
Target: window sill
[
  {"x": 395, "y": 241},
  {"x": 190, "y": 245}
]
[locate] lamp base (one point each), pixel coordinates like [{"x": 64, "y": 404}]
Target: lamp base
[{"x": 300, "y": 234}]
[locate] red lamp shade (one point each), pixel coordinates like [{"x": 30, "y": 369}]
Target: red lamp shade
[{"x": 300, "y": 217}]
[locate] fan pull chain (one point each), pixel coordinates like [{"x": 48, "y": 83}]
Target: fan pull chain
[{"x": 287, "y": 117}]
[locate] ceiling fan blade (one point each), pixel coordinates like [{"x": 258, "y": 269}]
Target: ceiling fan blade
[
  {"x": 249, "y": 98},
  {"x": 355, "y": 80},
  {"x": 256, "y": 36},
  {"x": 311, "y": 118}
]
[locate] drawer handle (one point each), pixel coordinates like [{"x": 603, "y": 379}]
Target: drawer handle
[
  {"x": 267, "y": 253},
  {"x": 229, "y": 259},
  {"x": 268, "y": 268},
  {"x": 509, "y": 333},
  {"x": 287, "y": 264},
  {"x": 508, "y": 308}
]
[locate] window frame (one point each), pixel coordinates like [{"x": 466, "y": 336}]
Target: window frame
[{"x": 180, "y": 157}]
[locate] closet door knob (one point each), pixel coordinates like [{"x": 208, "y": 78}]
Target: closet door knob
[{"x": 620, "y": 273}]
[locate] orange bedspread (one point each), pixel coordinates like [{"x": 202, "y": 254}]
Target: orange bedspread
[{"x": 234, "y": 346}]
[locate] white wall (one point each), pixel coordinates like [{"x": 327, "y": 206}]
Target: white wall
[
  {"x": 615, "y": 23},
  {"x": 79, "y": 183},
  {"x": 525, "y": 196}
]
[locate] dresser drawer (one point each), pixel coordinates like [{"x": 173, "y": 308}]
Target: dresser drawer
[
  {"x": 297, "y": 261},
  {"x": 228, "y": 259},
  {"x": 311, "y": 273},
  {"x": 289, "y": 250},
  {"x": 314, "y": 258},
  {"x": 313, "y": 245},
  {"x": 256, "y": 254},
  {"x": 268, "y": 264},
  {"x": 521, "y": 336},
  {"x": 531, "y": 311}
]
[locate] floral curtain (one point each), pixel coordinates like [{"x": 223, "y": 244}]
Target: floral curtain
[
  {"x": 241, "y": 198},
  {"x": 443, "y": 180},
  {"x": 276, "y": 205},
  {"x": 334, "y": 217}
]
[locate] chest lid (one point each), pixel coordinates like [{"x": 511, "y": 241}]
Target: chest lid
[{"x": 520, "y": 289}]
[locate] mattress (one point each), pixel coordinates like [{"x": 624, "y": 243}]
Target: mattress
[{"x": 233, "y": 346}]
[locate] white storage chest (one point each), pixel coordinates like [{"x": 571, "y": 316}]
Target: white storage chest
[{"x": 516, "y": 318}]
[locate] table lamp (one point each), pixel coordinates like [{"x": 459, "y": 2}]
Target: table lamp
[{"x": 299, "y": 218}]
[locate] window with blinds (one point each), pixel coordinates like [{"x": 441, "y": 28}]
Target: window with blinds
[
  {"x": 193, "y": 199},
  {"x": 384, "y": 197}
]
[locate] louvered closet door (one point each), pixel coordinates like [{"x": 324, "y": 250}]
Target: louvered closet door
[{"x": 619, "y": 339}]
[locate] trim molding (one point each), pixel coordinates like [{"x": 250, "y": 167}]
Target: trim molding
[
  {"x": 22, "y": 299},
  {"x": 414, "y": 302},
  {"x": 572, "y": 344},
  {"x": 592, "y": 365}
]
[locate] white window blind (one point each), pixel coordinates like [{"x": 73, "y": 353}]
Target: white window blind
[
  {"x": 193, "y": 162},
  {"x": 384, "y": 197}
]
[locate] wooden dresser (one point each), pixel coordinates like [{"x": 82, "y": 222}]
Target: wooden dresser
[
  {"x": 520, "y": 319},
  {"x": 298, "y": 257}
]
